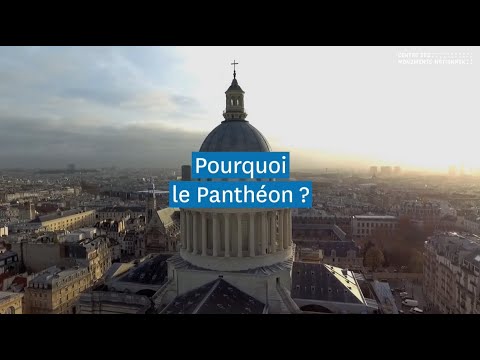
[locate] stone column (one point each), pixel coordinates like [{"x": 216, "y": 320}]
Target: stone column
[
  {"x": 251, "y": 238},
  {"x": 204, "y": 234},
  {"x": 195, "y": 232},
  {"x": 281, "y": 229},
  {"x": 264, "y": 234},
  {"x": 183, "y": 229},
  {"x": 189, "y": 230},
  {"x": 289, "y": 234},
  {"x": 227, "y": 234},
  {"x": 239, "y": 235},
  {"x": 273, "y": 231},
  {"x": 285, "y": 229},
  {"x": 215, "y": 234}
]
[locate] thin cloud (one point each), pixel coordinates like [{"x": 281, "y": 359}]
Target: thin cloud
[{"x": 39, "y": 143}]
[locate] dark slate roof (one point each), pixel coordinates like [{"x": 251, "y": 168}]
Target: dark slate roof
[
  {"x": 122, "y": 209},
  {"x": 152, "y": 271},
  {"x": 179, "y": 263},
  {"x": 7, "y": 254},
  {"x": 216, "y": 297},
  {"x": 235, "y": 87},
  {"x": 341, "y": 247},
  {"x": 43, "y": 218},
  {"x": 324, "y": 282},
  {"x": 235, "y": 135},
  {"x": 384, "y": 294},
  {"x": 187, "y": 303},
  {"x": 474, "y": 258},
  {"x": 324, "y": 229}
]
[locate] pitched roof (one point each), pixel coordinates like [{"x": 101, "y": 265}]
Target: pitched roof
[
  {"x": 384, "y": 294},
  {"x": 341, "y": 247},
  {"x": 324, "y": 282},
  {"x": 56, "y": 215},
  {"x": 153, "y": 271},
  {"x": 167, "y": 216},
  {"x": 216, "y": 297}
]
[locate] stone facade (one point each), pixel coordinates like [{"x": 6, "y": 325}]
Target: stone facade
[
  {"x": 56, "y": 291},
  {"x": 11, "y": 303}
]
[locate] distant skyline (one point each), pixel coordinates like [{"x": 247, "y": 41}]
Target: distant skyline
[{"x": 331, "y": 107}]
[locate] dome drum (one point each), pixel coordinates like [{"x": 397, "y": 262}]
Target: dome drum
[{"x": 243, "y": 238}]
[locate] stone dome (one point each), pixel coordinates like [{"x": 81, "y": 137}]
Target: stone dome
[{"x": 235, "y": 135}]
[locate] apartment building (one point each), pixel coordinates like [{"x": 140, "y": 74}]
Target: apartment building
[
  {"x": 366, "y": 225},
  {"x": 429, "y": 212},
  {"x": 94, "y": 254},
  {"x": 118, "y": 213},
  {"x": 65, "y": 220},
  {"x": 56, "y": 291},
  {"x": 451, "y": 273}
]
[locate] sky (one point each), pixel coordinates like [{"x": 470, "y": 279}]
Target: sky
[{"x": 331, "y": 107}]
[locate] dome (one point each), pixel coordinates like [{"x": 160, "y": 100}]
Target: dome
[{"x": 235, "y": 135}]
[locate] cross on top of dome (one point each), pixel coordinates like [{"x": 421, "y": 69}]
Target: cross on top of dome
[{"x": 234, "y": 73}]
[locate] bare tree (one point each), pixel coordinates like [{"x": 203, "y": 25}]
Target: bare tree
[{"x": 374, "y": 258}]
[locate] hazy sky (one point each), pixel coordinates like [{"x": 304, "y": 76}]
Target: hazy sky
[{"x": 152, "y": 106}]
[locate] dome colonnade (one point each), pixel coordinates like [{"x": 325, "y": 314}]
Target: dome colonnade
[{"x": 262, "y": 236}]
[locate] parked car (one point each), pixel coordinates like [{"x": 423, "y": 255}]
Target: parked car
[
  {"x": 403, "y": 294},
  {"x": 410, "y": 302},
  {"x": 416, "y": 310}
]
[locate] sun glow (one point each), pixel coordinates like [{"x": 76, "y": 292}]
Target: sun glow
[{"x": 356, "y": 105}]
